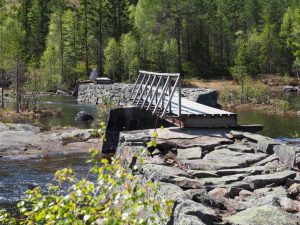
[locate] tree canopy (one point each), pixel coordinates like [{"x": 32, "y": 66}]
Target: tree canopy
[{"x": 67, "y": 39}]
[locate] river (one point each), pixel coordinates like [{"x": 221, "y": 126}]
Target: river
[{"x": 16, "y": 177}]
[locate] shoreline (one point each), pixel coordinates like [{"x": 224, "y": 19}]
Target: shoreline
[{"x": 271, "y": 108}]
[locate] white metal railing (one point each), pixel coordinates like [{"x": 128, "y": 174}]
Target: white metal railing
[{"x": 157, "y": 91}]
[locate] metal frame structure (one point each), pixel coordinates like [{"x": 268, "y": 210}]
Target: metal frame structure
[
  {"x": 155, "y": 92},
  {"x": 160, "y": 93}
]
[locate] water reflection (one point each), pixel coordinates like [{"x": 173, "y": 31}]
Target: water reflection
[{"x": 69, "y": 108}]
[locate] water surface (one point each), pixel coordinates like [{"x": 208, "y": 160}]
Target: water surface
[
  {"x": 69, "y": 107},
  {"x": 18, "y": 176}
]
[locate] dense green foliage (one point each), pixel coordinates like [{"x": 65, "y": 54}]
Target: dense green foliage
[
  {"x": 63, "y": 40},
  {"x": 114, "y": 198}
]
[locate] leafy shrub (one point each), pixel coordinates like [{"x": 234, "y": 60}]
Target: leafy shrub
[
  {"x": 104, "y": 109},
  {"x": 226, "y": 95},
  {"x": 113, "y": 198},
  {"x": 281, "y": 105},
  {"x": 286, "y": 79},
  {"x": 259, "y": 92},
  {"x": 296, "y": 134}
]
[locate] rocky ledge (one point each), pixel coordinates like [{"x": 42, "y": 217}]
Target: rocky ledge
[
  {"x": 218, "y": 176},
  {"x": 23, "y": 141}
]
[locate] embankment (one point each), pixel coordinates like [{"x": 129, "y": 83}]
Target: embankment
[
  {"x": 119, "y": 93},
  {"x": 218, "y": 176}
]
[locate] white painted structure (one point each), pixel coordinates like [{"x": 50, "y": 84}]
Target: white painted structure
[{"x": 160, "y": 93}]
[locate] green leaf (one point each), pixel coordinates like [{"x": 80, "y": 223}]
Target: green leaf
[{"x": 155, "y": 134}]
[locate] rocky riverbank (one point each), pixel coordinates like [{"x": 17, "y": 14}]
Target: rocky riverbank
[
  {"x": 219, "y": 176},
  {"x": 23, "y": 141},
  {"x": 119, "y": 93}
]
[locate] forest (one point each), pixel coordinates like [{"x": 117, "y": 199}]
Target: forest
[{"x": 46, "y": 44}]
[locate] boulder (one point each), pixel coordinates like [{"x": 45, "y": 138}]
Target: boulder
[
  {"x": 264, "y": 144},
  {"x": 223, "y": 180},
  {"x": 294, "y": 190},
  {"x": 202, "y": 164},
  {"x": 189, "y": 153},
  {"x": 279, "y": 178},
  {"x": 267, "y": 160},
  {"x": 187, "y": 183},
  {"x": 22, "y": 127},
  {"x": 76, "y": 135},
  {"x": 193, "y": 213},
  {"x": 162, "y": 173},
  {"x": 245, "y": 193},
  {"x": 235, "y": 157},
  {"x": 290, "y": 88},
  {"x": 171, "y": 192},
  {"x": 248, "y": 170},
  {"x": 240, "y": 148},
  {"x": 273, "y": 191},
  {"x": 61, "y": 92},
  {"x": 288, "y": 155},
  {"x": 236, "y": 187},
  {"x": 193, "y": 193},
  {"x": 202, "y": 173},
  {"x": 269, "y": 215},
  {"x": 219, "y": 192},
  {"x": 83, "y": 116},
  {"x": 3, "y": 127},
  {"x": 208, "y": 200},
  {"x": 289, "y": 205}
]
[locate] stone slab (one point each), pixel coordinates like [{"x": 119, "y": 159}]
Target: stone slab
[
  {"x": 279, "y": 178},
  {"x": 268, "y": 215}
]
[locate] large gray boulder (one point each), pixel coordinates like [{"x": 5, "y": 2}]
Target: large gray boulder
[
  {"x": 279, "y": 178},
  {"x": 189, "y": 153},
  {"x": 161, "y": 172},
  {"x": 235, "y": 157},
  {"x": 288, "y": 155},
  {"x": 290, "y": 88},
  {"x": 263, "y": 215},
  {"x": 263, "y": 144},
  {"x": 83, "y": 116},
  {"x": 203, "y": 164},
  {"x": 171, "y": 192},
  {"x": 193, "y": 213},
  {"x": 254, "y": 170},
  {"x": 77, "y": 135}
]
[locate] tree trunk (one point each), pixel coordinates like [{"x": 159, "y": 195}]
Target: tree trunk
[
  {"x": 115, "y": 23},
  {"x": 2, "y": 88},
  {"x": 61, "y": 46},
  {"x": 100, "y": 54},
  {"x": 74, "y": 48},
  {"x": 178, "y": 40},
  {"x": 86, "y": 39},
  {"x": 17, "y": 89}
]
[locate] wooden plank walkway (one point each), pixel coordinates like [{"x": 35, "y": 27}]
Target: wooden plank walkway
[{"x": 162, "y": 99}]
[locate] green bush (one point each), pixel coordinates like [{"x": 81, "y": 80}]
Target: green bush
[
  {"x": 114, "y": 198},
  {"x": 281, "y": 105},
  {"x": 226, "y": 95},
  {"x": 104, "y": 108},
  {"x": 258, "y": 92},
  {"x": 296, "y": 134}
]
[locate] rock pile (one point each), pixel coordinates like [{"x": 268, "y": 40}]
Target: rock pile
[
  {"x": 119, "y": 93},
  {"x": 219, "y": 176}
]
